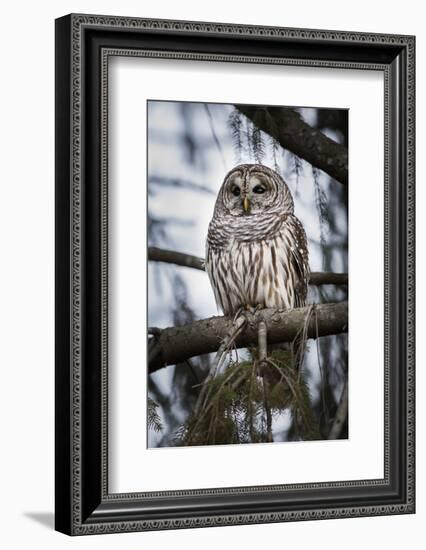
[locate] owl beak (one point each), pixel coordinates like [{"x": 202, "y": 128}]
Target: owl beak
[{"x": 246, "y": 204}]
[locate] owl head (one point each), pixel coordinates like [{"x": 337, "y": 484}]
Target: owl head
[{"x": 250, "y": 189}]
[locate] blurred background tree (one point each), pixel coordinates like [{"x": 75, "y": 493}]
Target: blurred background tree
[{"x": 191, "y": 146}]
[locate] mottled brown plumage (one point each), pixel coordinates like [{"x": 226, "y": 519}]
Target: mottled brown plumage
[{"x": 256, "y": 250}]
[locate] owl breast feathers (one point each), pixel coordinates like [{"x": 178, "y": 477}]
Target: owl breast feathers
[{"x": 256, "y": 250}]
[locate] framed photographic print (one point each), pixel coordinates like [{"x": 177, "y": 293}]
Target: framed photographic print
[{"x": 234, "y": 274}]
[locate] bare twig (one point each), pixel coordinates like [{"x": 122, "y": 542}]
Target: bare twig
[
  {"x": 299, "y": 342},
  {"x": 322, "y": 376},
  {"x": 214, "y": 134},
  {"x": 269, "y": 437},
  {"x": 341, "y": 414},
  {"x": 179, "y": 183},
  {"x": 262, "y": 342},
  {"x": 228, "y": 340},
  {"x": 262, "y": 349}
]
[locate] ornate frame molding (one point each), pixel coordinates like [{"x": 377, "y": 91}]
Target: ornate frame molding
[{"x": 87, "y": 507}]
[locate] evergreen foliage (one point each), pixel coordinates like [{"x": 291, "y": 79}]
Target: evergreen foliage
[
  {"x": 236, "y": 408},
  {"x": 154, "y": 420}
]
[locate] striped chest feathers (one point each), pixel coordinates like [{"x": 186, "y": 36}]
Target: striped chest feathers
[{"x": 253, "y": 273}]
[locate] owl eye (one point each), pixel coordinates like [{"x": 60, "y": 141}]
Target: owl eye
[
  {"x": 235, "y": 191},
  {"x": 258, "y": 189}
]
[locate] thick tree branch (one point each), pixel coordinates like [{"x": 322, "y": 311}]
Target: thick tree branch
[
  {"x": 287, "y": 127},
  {"x": 178, "y": 258},
  {"x": 176, "y": 344}
]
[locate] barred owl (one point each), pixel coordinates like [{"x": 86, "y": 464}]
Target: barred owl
[{"x": 256, "y": 250}]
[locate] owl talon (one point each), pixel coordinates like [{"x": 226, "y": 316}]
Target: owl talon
[
  {"x": 242, "y": 312},
  {"x": 252, "y": 309},
  {"x": 248, "y": 312},
  {"x": 239, "y": 312}
]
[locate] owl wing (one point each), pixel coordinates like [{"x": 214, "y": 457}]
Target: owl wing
[
  {"x": 215, "y": 268},
  {"x": 299, "y": 260}
]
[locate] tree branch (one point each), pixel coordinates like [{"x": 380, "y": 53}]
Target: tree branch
[
  {"x": 318, "y": 278},
  {"x": 171, "y": 257},
  {"x": 287, "y": 127},
  {"x": 176, "y": 344},
  {"x": 179, "y": 183},
  {"x": 178, "y": 258}
]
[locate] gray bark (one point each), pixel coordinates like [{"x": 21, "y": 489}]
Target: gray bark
[
  {"x": 171, "y": 257},
  {"x": 176, "y": 344}
]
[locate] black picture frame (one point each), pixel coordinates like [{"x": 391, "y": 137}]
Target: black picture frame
[{"x": 83, "y": 504}]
